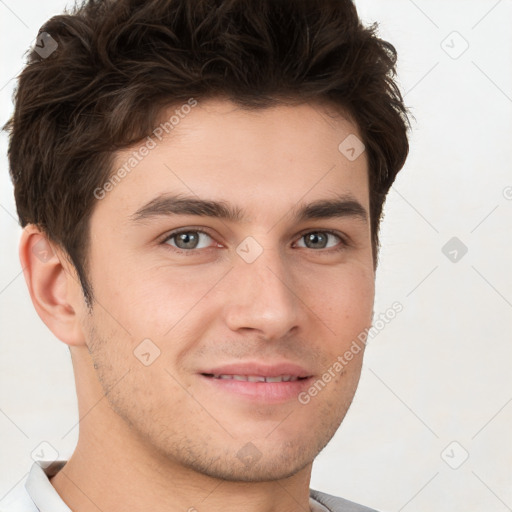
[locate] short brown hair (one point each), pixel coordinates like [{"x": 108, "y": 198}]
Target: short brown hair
[{"x": 118, "y": 64}]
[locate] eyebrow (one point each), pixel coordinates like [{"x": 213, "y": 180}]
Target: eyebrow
[{"x": 169, "y": 205}]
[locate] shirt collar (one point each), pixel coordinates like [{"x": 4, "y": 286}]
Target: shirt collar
[{"x": 40, "y": 489}]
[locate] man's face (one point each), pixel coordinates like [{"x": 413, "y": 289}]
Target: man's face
[{"x": 269, "y": 294}]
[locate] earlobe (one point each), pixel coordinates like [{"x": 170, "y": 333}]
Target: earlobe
[{"x": 51, "y": 285}]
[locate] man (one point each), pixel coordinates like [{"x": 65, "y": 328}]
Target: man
[{"x": 200, "y": 184}]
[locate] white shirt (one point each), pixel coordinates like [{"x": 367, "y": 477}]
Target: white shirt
[{"x": 38, "y": 494}]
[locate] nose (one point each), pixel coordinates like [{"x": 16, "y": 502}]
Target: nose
[{"x": 260, "y": 296}]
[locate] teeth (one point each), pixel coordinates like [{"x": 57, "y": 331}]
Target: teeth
[
  {"x": 254, "y": 378},
  {"x": 257, "y": 378},
  {"x": 274, "y": 379}
]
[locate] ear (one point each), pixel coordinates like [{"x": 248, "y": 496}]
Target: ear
[{"x": 53, "y": 287}]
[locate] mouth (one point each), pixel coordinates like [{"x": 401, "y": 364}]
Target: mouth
[
  {"x": 269, "y": 384},
  {"x": 255, "y": 378}
]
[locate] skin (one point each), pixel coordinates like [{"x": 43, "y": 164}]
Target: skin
[{"x": 160, "y": 437}]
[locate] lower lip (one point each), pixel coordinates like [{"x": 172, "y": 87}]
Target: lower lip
[{"x": 271, "y": 392}]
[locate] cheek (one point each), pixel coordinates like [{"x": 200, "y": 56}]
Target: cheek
[
  {"x": 149, "y": 302},
  {"x": 344, "y": 300},
  {"x": 171, "y": 298}
]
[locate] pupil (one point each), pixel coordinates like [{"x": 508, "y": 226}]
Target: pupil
[
  {"x": 315, "y": 238},
  {"x": 187, "y": 240}
]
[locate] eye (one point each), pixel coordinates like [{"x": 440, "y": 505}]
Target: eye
[
  {"x": 320, "y": 240},
  {"x": 187, "y": 240}
]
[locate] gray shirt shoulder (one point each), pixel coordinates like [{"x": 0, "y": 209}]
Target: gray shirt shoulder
[{"x": 335, "y": 504}]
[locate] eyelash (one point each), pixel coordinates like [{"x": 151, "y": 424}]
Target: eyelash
[{"x": 343, "y": 243}]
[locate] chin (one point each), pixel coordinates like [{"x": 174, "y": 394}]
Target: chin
[
  {"x": 233, "y": 470},
  {"x": 253, "y": 462}
]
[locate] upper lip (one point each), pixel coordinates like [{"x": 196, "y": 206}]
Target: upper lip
[{"x": 259, "y": 369}]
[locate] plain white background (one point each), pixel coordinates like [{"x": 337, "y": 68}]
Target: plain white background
[{"x": 430, "y": 426}]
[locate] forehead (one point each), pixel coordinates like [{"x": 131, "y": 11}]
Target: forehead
[{"x": 257, "y": 159}]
